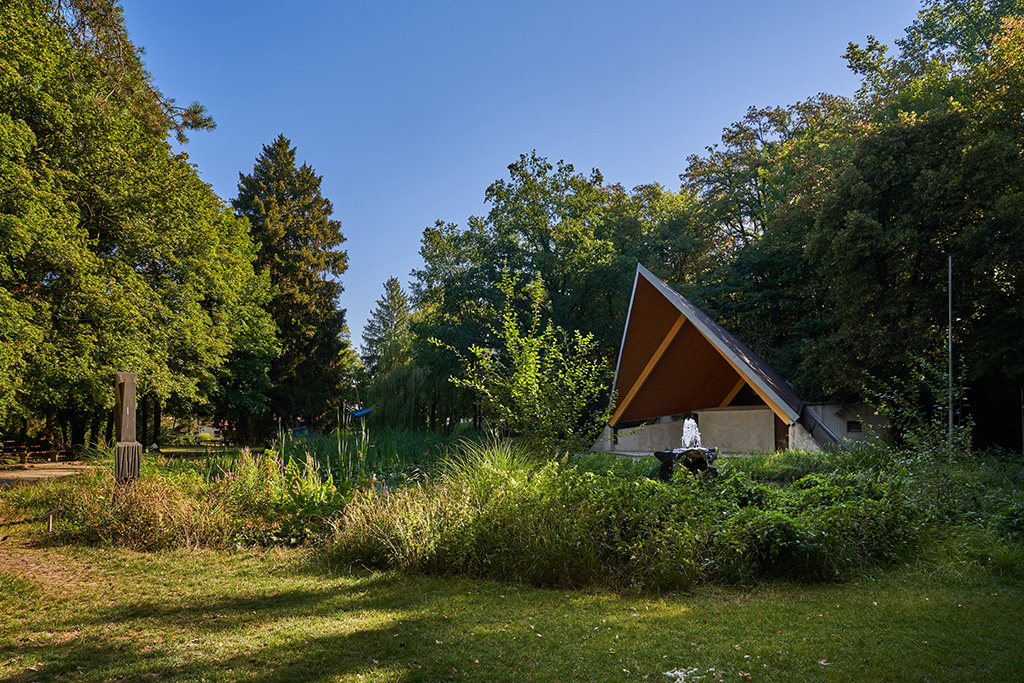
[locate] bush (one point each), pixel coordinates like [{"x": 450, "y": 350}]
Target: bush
[
  {"x": 543, "y": 384},
  {"x": 291, "y": 498},
  {"x": 495, "y": 513},
  {"x": 784, "y": 466}
]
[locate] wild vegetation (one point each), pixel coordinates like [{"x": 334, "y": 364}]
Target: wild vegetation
[
  {"x": 817, "y": 232},
  {"x": 495, "y": 510}
]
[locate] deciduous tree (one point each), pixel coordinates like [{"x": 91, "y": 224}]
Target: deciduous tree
[{"x": 116, "y": 255}]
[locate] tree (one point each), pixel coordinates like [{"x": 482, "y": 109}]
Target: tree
[
  {"x": 770, "y": 176},
  {"x": 299, "y": 251},
  {"x": 386, "y": 343},
  {"x": 918, "y": 187},
  {"x": 542, "y": 384},
  {"x": 581, "y": 238},
  {"x": 947, "y": 39},
  {"x": 116, "y": 255},
  {"x": 397, "y": 384}
]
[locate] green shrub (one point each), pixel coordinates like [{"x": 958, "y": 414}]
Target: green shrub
[
  {"x": 784, "y": 466},
  {"x": 756, "y": 543},
  {"x": 537, "y": 382},
  {"x": 973, "y": 549},
  {"x": 606, "y": 463},
  {"x": 1010, "y": 521},
  {"x": 493, "y": 512}
]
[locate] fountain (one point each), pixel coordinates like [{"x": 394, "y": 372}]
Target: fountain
[
  {"x": 691, "y": 455},
  {"x": 691, "y": 435}
]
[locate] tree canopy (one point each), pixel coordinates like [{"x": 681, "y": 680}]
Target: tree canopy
[
  {"x": 299, "y": 251},
  {"x": 117, "y": 256},
  {"x": 818, "y": 232}
]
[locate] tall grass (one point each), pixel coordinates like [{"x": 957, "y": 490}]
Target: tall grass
[
  {"x": 245, "y": 499},
  {"x": 491, "y": 509},
  {"x": 154, "y": 513},
  {"x": 494, "y": 512},
  {"x": 354, "y": 454},
  {"x": 787, "y": 466},
  {"x": 285, "y": 495}
]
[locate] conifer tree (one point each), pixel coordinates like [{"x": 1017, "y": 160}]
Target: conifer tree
[
  {"x": 300, "y": 252},
  {"x": 397, "y": 384},
  {"x": 386, "y": 334}
]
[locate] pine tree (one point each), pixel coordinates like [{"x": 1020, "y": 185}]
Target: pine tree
[
  {"x": 299, "y": 250},
  {"x": 398, "y": 386},
  {"x": 386, "y": 334}
]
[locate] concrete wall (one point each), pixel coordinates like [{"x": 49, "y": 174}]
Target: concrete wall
[
  {"x": 837, "y": 418},
  {"x": 801, "y": 440},
  {"x": 663, "y": 436},
  {"x": 745, "y": 429},
  {"x": 604, "y": 442}
]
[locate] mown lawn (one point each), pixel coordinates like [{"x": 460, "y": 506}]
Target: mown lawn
[{"x": 84, "y": 614}]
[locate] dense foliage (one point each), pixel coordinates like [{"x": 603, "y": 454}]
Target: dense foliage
[
  {"x": 396, "y": 380},
  {"x": 817, "y": 232},
  {"x": 116, "y": 255},
  {"x": 541, "y": 384},
  {"x": 299, "y": 251},
  {"x": 496, "y": 512}
]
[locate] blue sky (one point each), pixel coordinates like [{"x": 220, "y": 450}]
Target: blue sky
[{"x": 409, "y": 110}]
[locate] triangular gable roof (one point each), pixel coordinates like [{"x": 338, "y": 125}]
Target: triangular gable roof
[{"x": 675, "y": 359}]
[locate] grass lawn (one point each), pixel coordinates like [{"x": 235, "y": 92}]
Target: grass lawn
[{"x": 86, "y": 614}]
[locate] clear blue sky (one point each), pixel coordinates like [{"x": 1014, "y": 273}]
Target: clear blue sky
[{"x": 409, "y": 110}]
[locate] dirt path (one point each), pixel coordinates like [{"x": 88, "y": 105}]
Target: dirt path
[
  {"x": 11, "y": 475},
  {"x": 19, "y": 554},
  {"x": 43, "y": 566}
]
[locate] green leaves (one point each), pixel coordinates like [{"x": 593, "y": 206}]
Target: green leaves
[
  {"x": 116, "y": 255},
  {"x": 541, "y": 384},
  {"x": 299, "y": 254}
]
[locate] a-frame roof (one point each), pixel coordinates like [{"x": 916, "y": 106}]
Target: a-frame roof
[{"x": 675, "y": 359}]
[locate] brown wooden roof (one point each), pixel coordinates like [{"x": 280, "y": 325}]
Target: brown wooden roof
[{"x": 675, "y": 359}]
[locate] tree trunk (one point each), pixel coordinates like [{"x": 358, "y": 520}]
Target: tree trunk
[
  {"x": 78, "y": 427},
  {"x": 157, "y": 413},
  {"x": 94, "y": 430},
  {"x": 143, "y": 415},
  {"x": 51, "y": 425},
  {"x": 65, "y": 430},
  {"x": 109, "y": 433}
]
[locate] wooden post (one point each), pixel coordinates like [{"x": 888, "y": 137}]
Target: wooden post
[{"x": 127, "y": 451}]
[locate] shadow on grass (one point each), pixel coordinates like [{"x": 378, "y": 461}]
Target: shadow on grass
[
  {"x": 288, "y": 635},
  {"x": 274, "y": 618}
]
